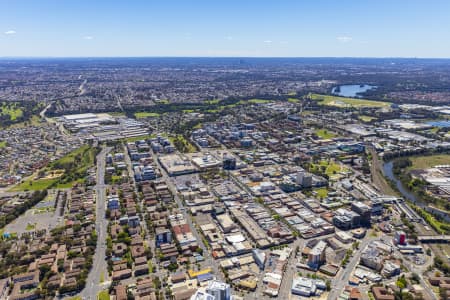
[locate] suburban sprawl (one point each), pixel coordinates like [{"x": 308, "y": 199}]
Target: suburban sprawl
[{"x": 203, "y": 179}]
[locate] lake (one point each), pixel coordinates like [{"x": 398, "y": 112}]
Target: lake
[
  {"x": 351, "y": 90},
  {"x": 443, "y": 124}
]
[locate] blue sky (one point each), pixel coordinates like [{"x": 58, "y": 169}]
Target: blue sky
[{"x": 286, "y": 28}]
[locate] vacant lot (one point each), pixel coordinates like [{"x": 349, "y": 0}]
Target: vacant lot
[{"x": 347, "y": 102}]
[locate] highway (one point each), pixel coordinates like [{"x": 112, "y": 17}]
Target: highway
[{"x": 99, "y": 266}]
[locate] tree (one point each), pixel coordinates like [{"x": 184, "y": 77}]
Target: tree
[
  {"x": 415, "y": 277},
  {"x": 328, "y": 283},
  {"x": 401, "y": 282}
]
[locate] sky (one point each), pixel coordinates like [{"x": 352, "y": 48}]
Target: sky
[{"x": 244, "y": 28}]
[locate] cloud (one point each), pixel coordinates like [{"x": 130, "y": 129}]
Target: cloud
[
  {"x": 268, "y": 41},
  {"x": 229, "y": 38},
  {"x": 10, "y": 32},
  {"x": 88, "y": 37},
  {"x": 344, "y": 39}
]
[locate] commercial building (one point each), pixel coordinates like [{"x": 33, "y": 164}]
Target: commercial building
[
  {"x": 346, "y": 219},
  {"x": 220, "y": 290},
  {"x": 260, "y": 258},
  {"x": 400, "y": 238},
  {"x": 363, "y": 211},
  {"x": 371, "y": 257},
  {"x": 163, "y": 235},
  {"x": 304, "y": 179},
  {"x": 316, "y": 256},
  {"x": 307, "y": 287}
]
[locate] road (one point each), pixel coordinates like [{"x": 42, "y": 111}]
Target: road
[
  {"x": 209, "y": 261},
  {"x": 291, "y": 269},
  {"x": 149, "y": 241},
  {"x": 342, "y": 277},
  {"x": 99, "y": 266},
  {"x": 419, "y": 271}
]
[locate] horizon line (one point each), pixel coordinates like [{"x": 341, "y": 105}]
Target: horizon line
[{"x": 174, "y": 56}]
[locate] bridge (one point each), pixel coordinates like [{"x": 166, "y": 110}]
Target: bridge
[{"x": 434, "y": 238}]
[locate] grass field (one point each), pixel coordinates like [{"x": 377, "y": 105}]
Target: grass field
[
  {"x": 347, "y": 102},
  {"x": 215, "y": 101},
  {"x": 12, "y": 110},
  {"x": 116, "y": 113},
  {"x": 2, "y": 144},
  {"x": 34, "y": 185},
  {"x": 145, "y": 114},
  {"x": 425, "y": 162},
  {"x": 321, "y": 192},
  {"x": 85, "y": 154},
  {"x": 103, "y": 295},
  {"x": 162, "y": 101},
  {"x": 366, "y": 118},
  {"x": 331, "y": 168},
  {"x": 30, "y": 226},
  {"x": 325, "y": 134},
  {"x": 76, "y": 162},
  {"x": 257, "y": 101}
]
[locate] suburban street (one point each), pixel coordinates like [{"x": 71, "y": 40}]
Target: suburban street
[{"x": 99, "y": 267}]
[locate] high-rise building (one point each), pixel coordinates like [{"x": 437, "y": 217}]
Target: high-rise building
[
  {"x": 260, "y": 258},
  {"x": 229, "y": 163},
  {"x": 304, "y": 179},
  {"x": 220, "y": 290},
  {"x": 316, "y": 256},
  {"x": 364, "y": 211}
]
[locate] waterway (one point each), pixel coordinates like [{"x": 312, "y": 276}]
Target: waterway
[
  {"x": 407, "y": 194},
  {"x": 352, "y": 90},
  {"x": 442, "y": 123},
  {"x": 389, "y": 173}
]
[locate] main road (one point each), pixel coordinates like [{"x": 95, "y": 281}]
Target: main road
[
  {"x": 209, "y": 261},
  {"x": 342, "y": 277},
  {"x": 99, "y": 265}
]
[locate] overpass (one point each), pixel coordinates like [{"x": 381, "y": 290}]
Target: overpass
[{"x": 434, "y": 238}]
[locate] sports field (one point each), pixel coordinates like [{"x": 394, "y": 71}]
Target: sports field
[{"x": 347, "y": 102}]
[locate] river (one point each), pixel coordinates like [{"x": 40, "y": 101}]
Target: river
[{"x": 407, "y": 194}]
